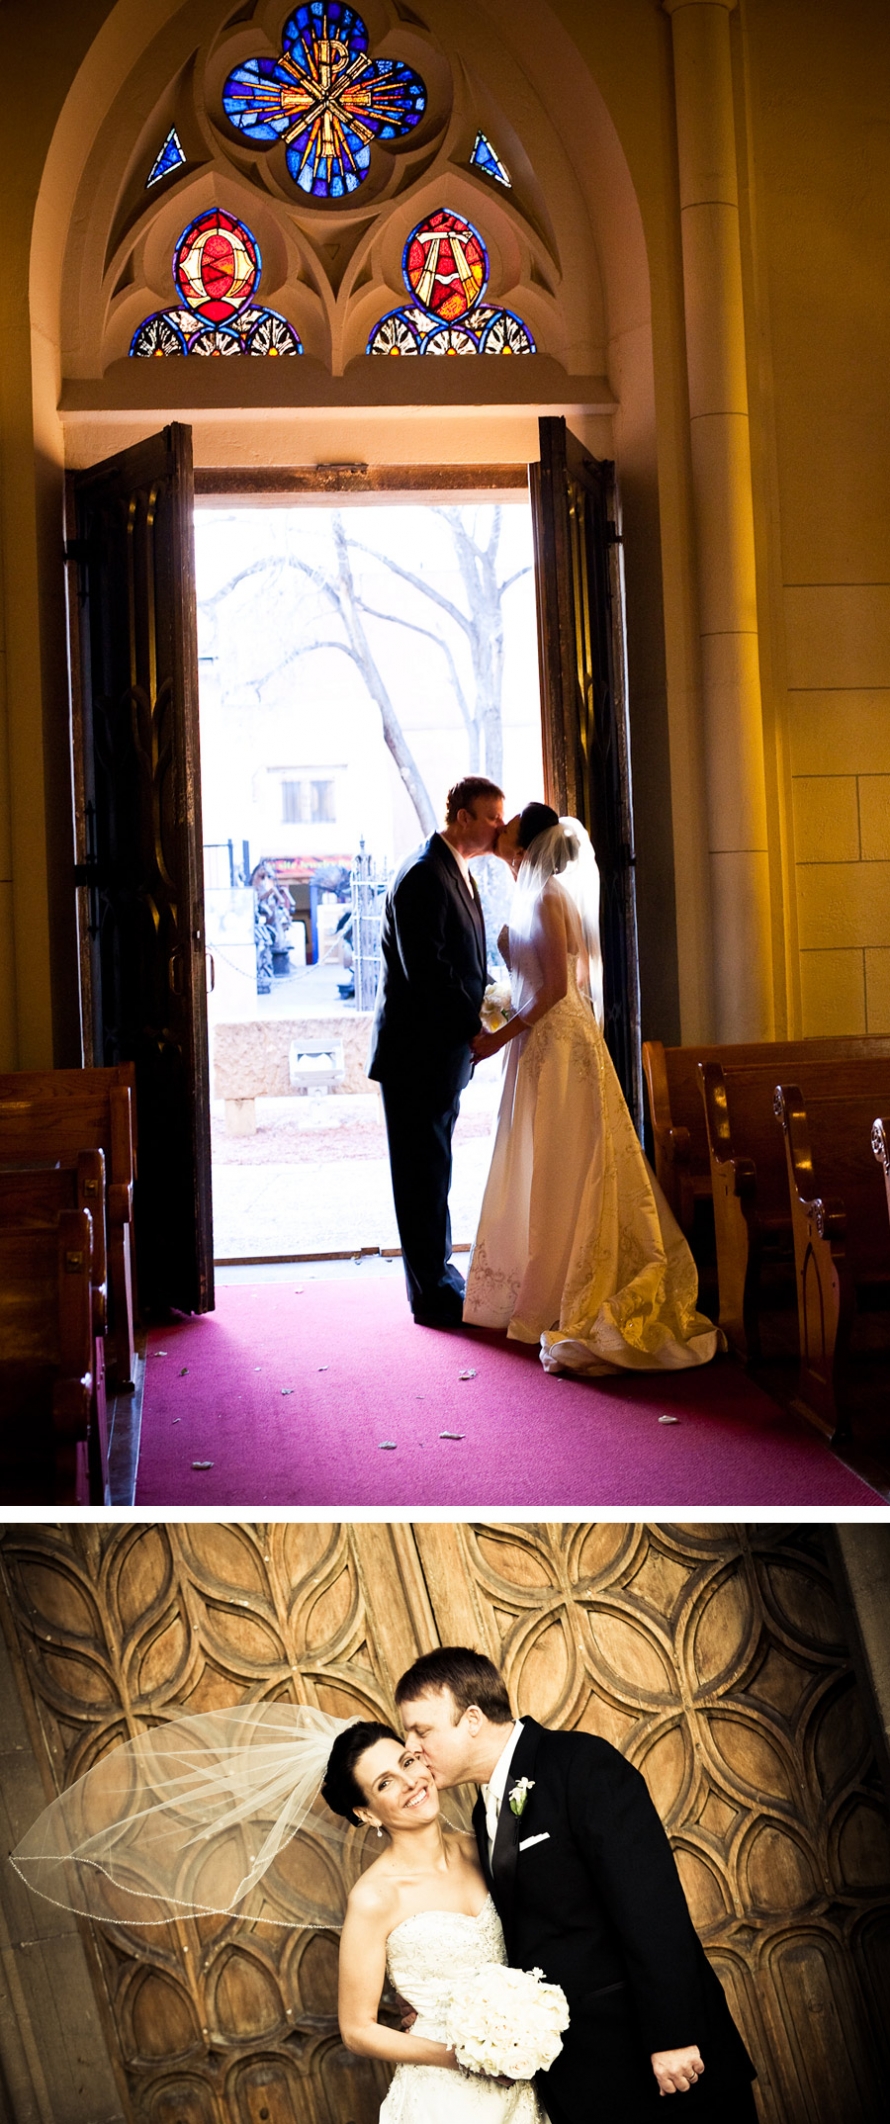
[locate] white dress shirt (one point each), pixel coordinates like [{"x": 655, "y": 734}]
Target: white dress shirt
[
  {"x": 493, "y": 1792},
  {"x": 462, "y": 864}
]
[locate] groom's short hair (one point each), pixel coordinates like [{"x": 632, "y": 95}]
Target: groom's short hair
[
  {"x": 469, "y": 1676},
  {"x": 464, "y": 794}
]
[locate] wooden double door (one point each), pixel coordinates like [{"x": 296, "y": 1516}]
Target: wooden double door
[
  {"x": 713, "y": 1657},
  {"x": 138, "y": 796}
]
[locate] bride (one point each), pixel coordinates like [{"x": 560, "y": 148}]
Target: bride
[
  {"x": 261, "y": 1812},
  {"x": 576, "y": 1246},
  {"x": 420, "y": 1916}
]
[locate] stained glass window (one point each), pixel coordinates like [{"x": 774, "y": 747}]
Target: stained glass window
[
  {"x": 324, "y": 98},
  {"x": 216, "y": 267},
  {"x": 484, "y": 158},
  {"x": 445, "y": 268},
  {"x": 171, "y": 155}
]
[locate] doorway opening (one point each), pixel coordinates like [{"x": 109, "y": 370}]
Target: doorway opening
[{"x": 354, "y": 661}]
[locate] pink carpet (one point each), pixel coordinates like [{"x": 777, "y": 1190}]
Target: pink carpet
[{"x": 299, "y": 1400}]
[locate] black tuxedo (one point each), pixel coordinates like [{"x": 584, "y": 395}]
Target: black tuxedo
[
  {"x": 597, "y": 1904},
  {"x": 432, "y": 981}
]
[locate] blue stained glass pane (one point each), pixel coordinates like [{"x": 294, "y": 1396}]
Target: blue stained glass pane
[
  {"x": 252, "y": 99},
  {"x": 324, "y": 18},
  {"x": 170, "y": 157},
  {"x": 484, "y": 158}
]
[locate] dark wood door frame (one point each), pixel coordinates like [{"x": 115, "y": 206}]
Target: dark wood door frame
[{"x": 583, "y": 663}]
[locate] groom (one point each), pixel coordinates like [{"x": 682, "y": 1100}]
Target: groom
[
  {"x": 432, "y": 981},
  {"x": 585, "y": 1885}
]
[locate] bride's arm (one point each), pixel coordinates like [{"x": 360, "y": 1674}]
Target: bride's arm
[
  {"x": 552, "y": 951},
  {"x": 362, "y": 1978}
]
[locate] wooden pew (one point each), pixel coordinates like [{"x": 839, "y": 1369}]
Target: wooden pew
[
  {"x": 841, "y": 1241},
  {"x": 753, "y": 1220},
  {"x": 51, "y": 1115},
  {"x": 50, "y": 1400},
  {"x": 752, "y": 1214},
  {"x": 682, "y": 1163},
  {"x": 32, "y": 1197}
]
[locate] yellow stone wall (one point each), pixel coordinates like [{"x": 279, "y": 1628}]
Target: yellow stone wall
[
  {"x": 811, "y": 82},
  {"x": 817, "y": 81}
]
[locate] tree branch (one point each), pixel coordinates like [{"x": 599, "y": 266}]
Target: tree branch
[
  {"x": 416, "y": 581},
  {"x": 431, "y": 636}
]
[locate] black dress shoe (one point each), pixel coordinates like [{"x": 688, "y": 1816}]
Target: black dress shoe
[{"x": 440, "y": 1314}]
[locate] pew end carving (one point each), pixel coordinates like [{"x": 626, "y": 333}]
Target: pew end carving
[{"x": 751, "y": 1217}]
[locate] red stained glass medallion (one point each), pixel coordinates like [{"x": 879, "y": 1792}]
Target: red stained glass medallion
[
  {"x": 216, "y": 266},
  {"x": 445, "y": 265}
]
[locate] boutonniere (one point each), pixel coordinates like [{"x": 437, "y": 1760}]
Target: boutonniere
[{"x": 519, "y": 1793}]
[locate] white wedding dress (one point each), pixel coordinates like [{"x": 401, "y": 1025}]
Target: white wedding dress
[
  {"x": 577, "y": 1247},
  {"x": 425, "y": 1956}
]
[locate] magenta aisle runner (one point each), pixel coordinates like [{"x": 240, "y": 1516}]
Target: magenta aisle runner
[{"x": 332, "y": 1397}]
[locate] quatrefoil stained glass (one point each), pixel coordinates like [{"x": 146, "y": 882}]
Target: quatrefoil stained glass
[
  {"x": 216, "y": 267},
  {"x": 324, "y": 98},
  {"x": 445, "y": 268}
]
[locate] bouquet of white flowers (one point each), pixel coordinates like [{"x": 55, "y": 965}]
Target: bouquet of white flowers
[
  {"x": 507, "y": 2022},
  {"x": 497, "y": 1007}
]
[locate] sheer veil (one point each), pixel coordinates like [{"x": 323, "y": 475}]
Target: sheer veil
[
  {"x": 563, "y": 851},
  {"x": 215, "y": 1814}
]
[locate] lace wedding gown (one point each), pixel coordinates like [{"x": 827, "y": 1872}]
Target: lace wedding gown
[
  {"x": 425, "y": 1956},
  {"x": 576, "y": 1245}
]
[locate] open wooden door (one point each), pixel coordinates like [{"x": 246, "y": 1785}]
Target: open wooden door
[
  {"x": 138, "y": 804},
  {"x": 580, "y": 593}
]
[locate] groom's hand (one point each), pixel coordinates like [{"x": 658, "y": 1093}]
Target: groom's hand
[
  {"x": 406, "y": 2012},
  {"x": 677, "y": 2070}
]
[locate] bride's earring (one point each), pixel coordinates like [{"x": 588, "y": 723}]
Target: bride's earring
[{"x": 379, "y": 1830}]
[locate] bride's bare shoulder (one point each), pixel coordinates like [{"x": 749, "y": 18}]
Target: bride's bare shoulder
[{"x": 374, "y": 1894}]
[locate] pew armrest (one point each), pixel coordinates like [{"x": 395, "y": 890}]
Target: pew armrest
[
  {"x": 120, "y": 1202},
  {"x": 674, "y": 1144},
  {"x": 658, "y": 1092},
  {"x": 825, "y": 1213}
]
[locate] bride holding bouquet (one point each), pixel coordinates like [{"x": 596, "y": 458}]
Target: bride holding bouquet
[{"x": 267, "y": 1812}]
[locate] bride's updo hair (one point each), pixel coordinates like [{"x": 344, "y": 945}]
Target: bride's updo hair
[
  {"x": 534, "y": 822},
  {"x": 341, "y": 1788},
  {"x": 535, "y": 819}
]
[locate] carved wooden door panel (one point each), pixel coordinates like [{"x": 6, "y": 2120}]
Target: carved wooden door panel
[
  {"x": 138, "y": 791},
  {"x": 581, "y": 653},
  {"x": 712, "y": 1656},
  {"x": 212, "y": 2021}
]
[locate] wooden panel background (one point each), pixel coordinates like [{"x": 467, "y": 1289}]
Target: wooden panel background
[{"x": 713, "y": 1657}]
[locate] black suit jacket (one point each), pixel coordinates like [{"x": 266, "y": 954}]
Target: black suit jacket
[
  {"x": 433, "y": 974},
  {"x": 597, "y": 1904}
]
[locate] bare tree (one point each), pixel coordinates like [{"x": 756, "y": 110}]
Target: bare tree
[{"x": 481, "y": 627}]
